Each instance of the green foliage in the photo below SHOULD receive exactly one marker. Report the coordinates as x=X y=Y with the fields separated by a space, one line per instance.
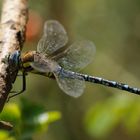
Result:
x=105 y=116
x=11 y=113
x=5 y=136
x=28 y=119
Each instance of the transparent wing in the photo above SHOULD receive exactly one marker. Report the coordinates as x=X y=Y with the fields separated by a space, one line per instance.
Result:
x=54 y=37
x=77 y=56
x=43 y=64
x=72 y=87
x=39 y=67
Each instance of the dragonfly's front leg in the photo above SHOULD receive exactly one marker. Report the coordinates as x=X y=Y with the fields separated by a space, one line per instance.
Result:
x=23 y=86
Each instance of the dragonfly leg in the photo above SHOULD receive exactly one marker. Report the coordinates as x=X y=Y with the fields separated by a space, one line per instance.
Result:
x=23 y=86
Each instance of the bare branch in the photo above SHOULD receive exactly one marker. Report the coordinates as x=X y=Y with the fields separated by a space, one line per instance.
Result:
x=12 y=36
x=5 y=125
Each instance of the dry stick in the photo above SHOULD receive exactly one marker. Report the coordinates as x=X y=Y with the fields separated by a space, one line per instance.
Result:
x=12 y=36
x=5 y=125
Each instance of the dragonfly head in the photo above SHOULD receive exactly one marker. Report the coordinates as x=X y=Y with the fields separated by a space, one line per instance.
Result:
x=14 y=59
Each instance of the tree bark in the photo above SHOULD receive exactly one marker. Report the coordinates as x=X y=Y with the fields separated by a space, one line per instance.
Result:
x=12 y=37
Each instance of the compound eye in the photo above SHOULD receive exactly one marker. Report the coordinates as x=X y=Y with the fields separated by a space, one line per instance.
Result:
x=14 y=58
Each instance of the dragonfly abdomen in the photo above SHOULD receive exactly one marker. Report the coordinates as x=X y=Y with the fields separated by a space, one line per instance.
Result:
x=109 y=83
x=101 y=81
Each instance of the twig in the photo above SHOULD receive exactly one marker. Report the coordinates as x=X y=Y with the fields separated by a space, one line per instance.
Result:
x=12 y=36
x=5 y=125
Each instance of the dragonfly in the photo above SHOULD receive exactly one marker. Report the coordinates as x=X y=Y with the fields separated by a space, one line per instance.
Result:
x=64 y=63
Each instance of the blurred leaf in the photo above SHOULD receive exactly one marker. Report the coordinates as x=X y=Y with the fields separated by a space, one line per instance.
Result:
x=30 y=109
x=35 y=118
x=4 y=135
x=41 y=121
x=28 y=118
x=131 y=122
x=103 y=117
x=11 y=113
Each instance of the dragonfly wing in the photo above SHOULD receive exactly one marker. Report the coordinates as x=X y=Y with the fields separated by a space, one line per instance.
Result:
x=54 y=37
x=43 y=64
x=40 y=67
x=72 y=87
x=77 y=56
